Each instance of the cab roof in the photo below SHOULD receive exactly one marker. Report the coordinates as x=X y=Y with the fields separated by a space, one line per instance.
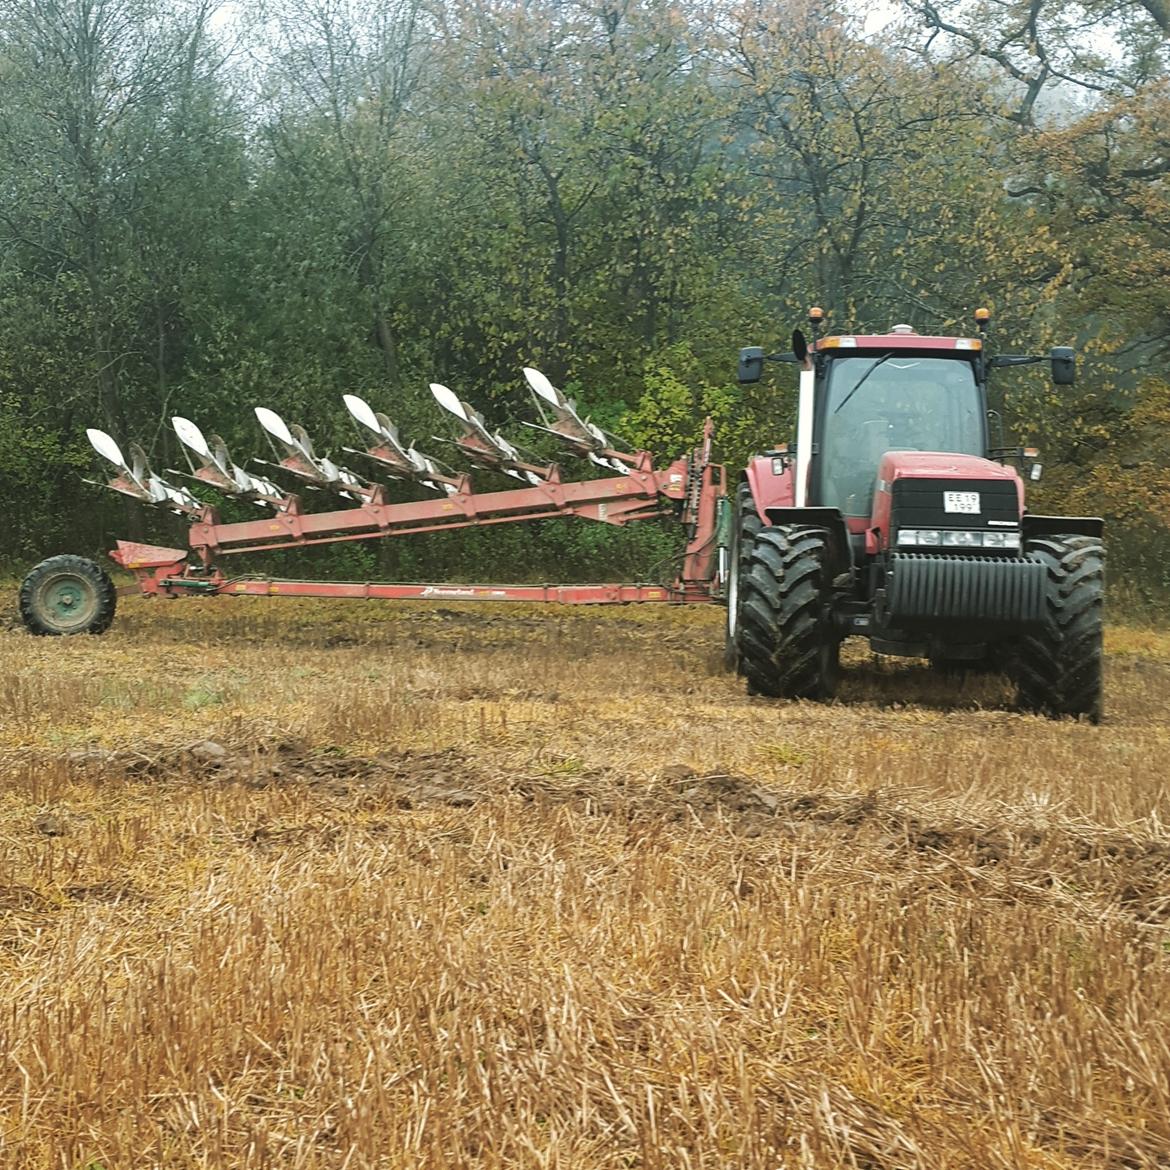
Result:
x=898 y=340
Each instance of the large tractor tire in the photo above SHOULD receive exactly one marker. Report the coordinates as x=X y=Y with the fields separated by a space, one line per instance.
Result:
x=788 y=644
x=745 y=527
x=67 y=595
x=1058 y=670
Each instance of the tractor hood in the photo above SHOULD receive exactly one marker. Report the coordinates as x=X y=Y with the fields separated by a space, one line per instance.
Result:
x=939 y=489
x=942 y=465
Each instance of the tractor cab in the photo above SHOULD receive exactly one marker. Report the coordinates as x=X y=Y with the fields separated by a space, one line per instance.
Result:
x=872 y=402
x=879 y=402
x=870 y=406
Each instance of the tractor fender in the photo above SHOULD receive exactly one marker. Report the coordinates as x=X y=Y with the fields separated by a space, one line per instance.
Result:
x=1032 y=525
x=828 y=519
x=772 y=481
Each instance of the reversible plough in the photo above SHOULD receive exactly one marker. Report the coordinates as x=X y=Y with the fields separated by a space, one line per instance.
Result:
x=69 y=595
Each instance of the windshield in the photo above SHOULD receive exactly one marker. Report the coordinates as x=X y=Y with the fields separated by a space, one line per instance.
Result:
x=876 y=403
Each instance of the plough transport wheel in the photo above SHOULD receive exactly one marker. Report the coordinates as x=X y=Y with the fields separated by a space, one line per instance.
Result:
x=67 y=595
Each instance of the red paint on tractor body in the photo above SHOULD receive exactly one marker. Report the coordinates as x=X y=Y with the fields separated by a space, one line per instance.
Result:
x=939 y=465
x=772 y=479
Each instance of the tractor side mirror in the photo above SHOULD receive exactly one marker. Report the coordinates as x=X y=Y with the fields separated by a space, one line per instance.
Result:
x=799 y=346
x=1064 y=365
x=751 y=364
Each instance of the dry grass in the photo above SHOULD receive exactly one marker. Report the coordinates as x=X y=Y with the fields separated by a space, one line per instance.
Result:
x=502 y=887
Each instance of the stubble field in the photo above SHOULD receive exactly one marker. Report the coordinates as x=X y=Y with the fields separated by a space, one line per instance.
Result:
x=298 y=884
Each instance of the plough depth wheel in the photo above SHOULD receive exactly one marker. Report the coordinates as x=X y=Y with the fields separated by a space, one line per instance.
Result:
x=67 y=595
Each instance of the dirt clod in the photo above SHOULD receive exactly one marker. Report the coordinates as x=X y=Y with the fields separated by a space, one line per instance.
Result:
x=50 y=825
x=208 y=750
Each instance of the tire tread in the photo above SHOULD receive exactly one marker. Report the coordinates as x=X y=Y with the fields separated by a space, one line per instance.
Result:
x=1059 y=668
x=782 y=634
x=107 y=595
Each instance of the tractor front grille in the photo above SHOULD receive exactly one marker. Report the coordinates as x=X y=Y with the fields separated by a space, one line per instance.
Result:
x=926 y=589
x=920 y=503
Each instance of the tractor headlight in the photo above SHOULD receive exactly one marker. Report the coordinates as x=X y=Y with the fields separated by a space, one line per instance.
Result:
x=971 y=538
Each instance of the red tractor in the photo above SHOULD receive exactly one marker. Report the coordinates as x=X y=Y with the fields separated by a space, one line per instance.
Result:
x=893 y=517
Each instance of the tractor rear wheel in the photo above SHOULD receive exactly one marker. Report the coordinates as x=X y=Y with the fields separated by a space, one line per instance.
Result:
x=746 y=526
x=789 y=648
x=1058 y=670
x=67 y=595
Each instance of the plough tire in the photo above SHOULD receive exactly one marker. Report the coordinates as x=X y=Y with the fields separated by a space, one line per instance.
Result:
x=1059 y=670
x=67 y=595
x=788 y=646
x=745 y=528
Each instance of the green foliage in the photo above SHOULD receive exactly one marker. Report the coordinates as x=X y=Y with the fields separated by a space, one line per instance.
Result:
x=678 y=394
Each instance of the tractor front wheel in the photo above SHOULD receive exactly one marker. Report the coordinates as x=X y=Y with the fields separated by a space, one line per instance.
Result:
x=788 y=646
x=746 y=526
x=67 y=595
x=1058 y=670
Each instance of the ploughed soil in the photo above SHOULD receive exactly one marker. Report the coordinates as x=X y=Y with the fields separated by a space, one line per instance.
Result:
x=359 y=885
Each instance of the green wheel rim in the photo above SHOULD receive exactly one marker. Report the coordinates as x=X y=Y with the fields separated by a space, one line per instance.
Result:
x=67 y=601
